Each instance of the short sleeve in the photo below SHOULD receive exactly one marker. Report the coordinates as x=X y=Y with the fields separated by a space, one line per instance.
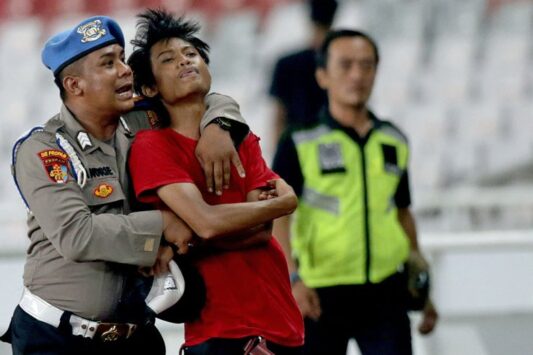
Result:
x=279 y=87
x=257 y=171
x=153 y=164
x=402 y=198
x=287 y=164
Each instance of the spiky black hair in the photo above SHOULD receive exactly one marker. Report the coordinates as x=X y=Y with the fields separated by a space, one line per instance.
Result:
x=154 y=26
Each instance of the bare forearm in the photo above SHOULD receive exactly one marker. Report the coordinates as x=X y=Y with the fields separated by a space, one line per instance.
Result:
x=407 y=221
x=281 y=232
x=254 y=236
x=209 y=221
x=226 y=219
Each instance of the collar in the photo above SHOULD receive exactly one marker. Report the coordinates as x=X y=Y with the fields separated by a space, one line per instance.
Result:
x=84 y=140
x=325 y=117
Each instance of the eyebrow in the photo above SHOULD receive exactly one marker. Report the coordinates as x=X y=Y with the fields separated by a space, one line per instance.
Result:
x=181 y=49
x=111 y=54
x=165 y=52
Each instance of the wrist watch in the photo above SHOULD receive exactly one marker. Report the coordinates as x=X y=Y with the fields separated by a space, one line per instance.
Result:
x=223 y=123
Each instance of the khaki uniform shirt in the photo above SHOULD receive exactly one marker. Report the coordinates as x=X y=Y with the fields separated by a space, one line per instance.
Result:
x=81 y=237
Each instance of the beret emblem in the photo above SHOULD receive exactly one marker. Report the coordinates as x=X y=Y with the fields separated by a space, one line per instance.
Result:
x=91 y=31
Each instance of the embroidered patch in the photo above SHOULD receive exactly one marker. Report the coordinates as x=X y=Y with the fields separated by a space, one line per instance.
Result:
x=103 y=190
x=55 y=164
x=91 y=31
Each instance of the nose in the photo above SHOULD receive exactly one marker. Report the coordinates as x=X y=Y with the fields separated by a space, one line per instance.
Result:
x=356 y=72
x=124 y=69
x=184 y=61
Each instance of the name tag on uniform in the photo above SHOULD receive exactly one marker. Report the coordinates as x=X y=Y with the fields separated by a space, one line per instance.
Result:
x=330 y=158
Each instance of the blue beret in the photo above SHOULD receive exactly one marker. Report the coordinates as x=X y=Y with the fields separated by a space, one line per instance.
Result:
x=91 y=34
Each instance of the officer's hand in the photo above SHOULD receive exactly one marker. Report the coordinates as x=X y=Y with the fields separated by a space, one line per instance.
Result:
x=215 y=152
x=417 y=261
x=164 y=255
x=429 y=319
x=177 y=232
x=307 y=300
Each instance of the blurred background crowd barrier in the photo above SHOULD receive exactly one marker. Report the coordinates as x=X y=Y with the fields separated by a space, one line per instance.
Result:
x=455 y=75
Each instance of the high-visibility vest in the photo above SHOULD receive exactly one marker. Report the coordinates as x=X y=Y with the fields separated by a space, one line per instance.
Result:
x=345 y=229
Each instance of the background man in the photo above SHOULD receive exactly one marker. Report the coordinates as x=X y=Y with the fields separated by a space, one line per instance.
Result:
x=298 y=98
x=353 y=229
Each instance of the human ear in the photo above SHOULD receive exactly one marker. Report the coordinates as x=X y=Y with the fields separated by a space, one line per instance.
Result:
x=149 y=91
x=321 y=78
x=73 y=85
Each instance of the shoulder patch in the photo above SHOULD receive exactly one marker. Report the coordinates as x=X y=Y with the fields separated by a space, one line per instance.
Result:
x=55 y=164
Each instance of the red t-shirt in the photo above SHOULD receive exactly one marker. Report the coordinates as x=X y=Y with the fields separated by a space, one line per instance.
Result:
x=248 y=291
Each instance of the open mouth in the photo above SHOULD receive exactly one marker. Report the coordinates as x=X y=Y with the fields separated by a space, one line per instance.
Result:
x=125 y=92
x=124 y=89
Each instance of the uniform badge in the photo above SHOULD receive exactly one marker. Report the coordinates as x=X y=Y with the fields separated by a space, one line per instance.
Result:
x=55 y=164
x=84 y=140
x=103 y=190
x=91 y=31
x=330 y=156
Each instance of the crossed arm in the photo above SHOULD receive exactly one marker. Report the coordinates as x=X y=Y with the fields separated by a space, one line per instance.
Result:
x=227 y=225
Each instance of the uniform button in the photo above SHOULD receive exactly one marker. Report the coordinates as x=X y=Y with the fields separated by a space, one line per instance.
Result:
x=91 y=329
x=83 y=326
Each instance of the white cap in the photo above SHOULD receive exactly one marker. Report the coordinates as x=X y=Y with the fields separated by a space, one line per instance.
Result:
x=166 y=290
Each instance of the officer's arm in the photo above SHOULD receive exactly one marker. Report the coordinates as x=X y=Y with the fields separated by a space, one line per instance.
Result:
x=216 y=149
x=407 y=221
x=66 y=220
x=287 y=165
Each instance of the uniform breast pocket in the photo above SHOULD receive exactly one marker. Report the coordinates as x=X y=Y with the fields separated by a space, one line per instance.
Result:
x=103 y=194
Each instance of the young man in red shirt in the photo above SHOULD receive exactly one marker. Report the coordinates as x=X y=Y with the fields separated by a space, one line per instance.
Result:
x=248 y=290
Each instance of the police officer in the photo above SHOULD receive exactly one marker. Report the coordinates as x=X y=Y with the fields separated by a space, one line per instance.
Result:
x=353 y=229
x=85 y=242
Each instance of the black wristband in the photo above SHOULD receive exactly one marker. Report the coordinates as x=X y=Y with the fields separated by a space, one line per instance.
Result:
x=223 y=123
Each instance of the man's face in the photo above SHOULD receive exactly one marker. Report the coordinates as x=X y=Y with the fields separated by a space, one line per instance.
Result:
x=179 y=70
x=107 y=81
x=350 y=71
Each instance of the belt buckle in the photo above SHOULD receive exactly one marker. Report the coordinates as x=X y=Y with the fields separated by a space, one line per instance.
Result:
x=110 y=335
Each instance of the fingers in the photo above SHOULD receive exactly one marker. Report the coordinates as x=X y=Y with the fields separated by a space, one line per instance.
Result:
x=145 y=271
x=208 y=170
x=429 y=319
x=314 y=303
x=238 y=165
x=218 y=177
x=227 y=173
